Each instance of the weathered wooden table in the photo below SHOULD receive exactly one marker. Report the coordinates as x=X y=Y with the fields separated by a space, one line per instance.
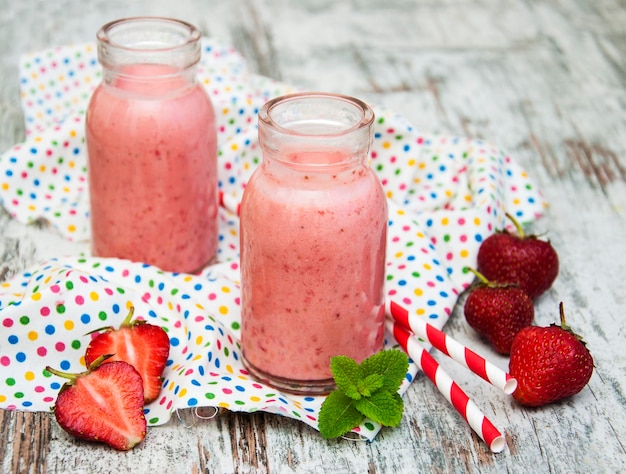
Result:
x=544 y=80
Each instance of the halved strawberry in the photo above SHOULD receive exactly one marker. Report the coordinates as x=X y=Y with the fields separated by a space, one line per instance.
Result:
x=145 y=346
x=103 y=404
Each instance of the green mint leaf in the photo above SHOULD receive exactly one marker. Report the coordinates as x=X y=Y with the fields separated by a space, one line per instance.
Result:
x=383 y=407
x=347 y=374
x=392 y=364
x=338 y=415
x=370 y=384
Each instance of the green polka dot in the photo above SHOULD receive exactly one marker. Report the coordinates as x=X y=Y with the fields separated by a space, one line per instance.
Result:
x=369 y=426
x=153 y=420
x=209 y=395
x=235 y=325
x=102 y=316
x=60 y=308
x=76 y=344
x=24 y=320
x=69 y=285
x=10 y=381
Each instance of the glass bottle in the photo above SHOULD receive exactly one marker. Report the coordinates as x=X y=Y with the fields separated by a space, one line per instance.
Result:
x=152 y=146
x=313 y=239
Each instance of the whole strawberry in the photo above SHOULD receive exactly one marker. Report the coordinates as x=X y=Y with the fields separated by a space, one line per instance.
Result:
x=523 y=259
x=498 y=311
x=144 y=346
x=103 y=404
x=549 y=363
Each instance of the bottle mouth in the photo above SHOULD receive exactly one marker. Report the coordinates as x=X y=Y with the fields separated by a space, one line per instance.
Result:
x=316 y=114
x=155 y=40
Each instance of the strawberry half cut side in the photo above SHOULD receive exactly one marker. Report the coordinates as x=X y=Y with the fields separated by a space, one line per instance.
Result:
x=145 y=346
x=103 y=404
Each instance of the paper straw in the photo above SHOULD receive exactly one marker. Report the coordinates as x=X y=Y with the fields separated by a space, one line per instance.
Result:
x=448 y=388
x=229 y=203
x=453 y=349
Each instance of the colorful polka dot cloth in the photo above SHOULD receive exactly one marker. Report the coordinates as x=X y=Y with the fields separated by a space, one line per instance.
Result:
x=446 y=195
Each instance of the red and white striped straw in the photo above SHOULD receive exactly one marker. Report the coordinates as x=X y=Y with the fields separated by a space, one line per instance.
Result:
x=453 y=349
x=448 y=388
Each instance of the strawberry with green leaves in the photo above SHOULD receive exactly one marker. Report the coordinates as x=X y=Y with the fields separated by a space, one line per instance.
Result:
x=145 y=346
x=103 y=404
x=549 y=363
x=498 y=311
x=530 y=262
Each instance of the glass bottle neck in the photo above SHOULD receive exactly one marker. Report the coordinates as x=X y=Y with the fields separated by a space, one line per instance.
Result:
x=149 y=55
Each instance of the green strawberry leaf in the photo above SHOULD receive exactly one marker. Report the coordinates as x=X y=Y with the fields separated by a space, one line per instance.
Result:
x=382 y=407
x=338 y=415
x=392 y=364
x=347 y=374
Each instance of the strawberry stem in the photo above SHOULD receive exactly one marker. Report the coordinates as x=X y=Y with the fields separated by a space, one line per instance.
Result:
x=518 y=226
x=128 y=319
x=562 y=313
x=479 y=275
x=72 y=377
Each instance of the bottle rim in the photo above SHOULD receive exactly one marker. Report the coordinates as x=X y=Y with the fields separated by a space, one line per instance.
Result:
x=266 y=118
x=105 y=32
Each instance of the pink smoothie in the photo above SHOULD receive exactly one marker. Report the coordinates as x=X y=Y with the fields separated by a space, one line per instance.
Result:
x=313 y=256
x=152 y=171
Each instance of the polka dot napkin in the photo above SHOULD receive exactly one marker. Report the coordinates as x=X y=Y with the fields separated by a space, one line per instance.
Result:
x=446 y=195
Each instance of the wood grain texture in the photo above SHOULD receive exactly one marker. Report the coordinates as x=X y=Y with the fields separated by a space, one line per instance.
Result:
x=543 y=79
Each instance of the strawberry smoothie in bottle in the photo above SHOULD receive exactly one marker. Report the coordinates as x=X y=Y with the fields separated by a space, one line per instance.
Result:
x=151 y=140
x=313 y=233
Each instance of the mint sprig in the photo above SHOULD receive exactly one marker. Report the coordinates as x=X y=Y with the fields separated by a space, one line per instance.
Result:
x=366 y=390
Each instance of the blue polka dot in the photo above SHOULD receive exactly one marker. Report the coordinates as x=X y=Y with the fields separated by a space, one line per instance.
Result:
x=192 y=402
x=20 y=357
x=85 y=318
x=65 y=364
x=49 y=329
x=13 y=339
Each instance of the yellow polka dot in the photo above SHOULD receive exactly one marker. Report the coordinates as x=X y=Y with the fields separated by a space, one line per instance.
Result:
x=187 y=278
x=229 y=369
x=199 y=340
x=3 y=398
x=516 y=201
x=93 y=296
x=468 y=197
x=223 y=310
x=182 y=393
x=401 y=212
x=234 y=147
x=223 y=405
x=476 y=220
x=389 y=194
x=31 y=207
x=448 y=193
x=33 y=336
x=386 y=145
x=225 y=289
x=427 y=266
x=35 y=296
x=71 y=228
x=411 y=162
x=445 y=221
x=199 y=306
x=171 y=386
x=418 y=292
x=5 y=186
x=68 y=324
x=29 y=375
x=255 y=399
x=71 y=164
x=464 y=253
x=72 y=133
x=420 y=311
x=42 y=168
x=422 y=165
x=225 y=111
